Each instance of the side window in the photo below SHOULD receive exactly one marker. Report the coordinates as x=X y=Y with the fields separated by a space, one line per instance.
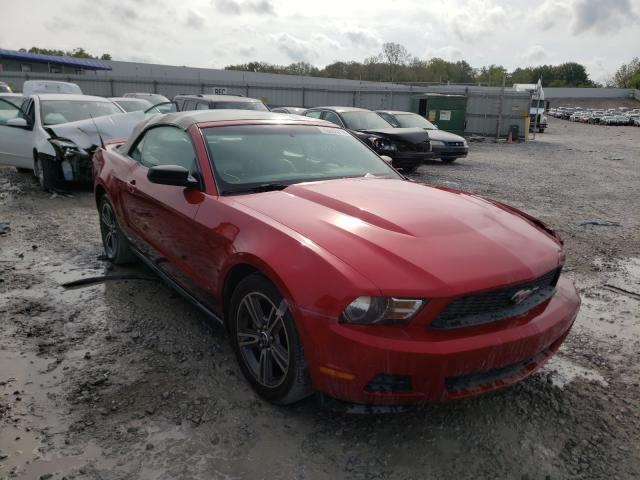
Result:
x=165 y=146
x=202 y=106
x=333 y=118
x=9 y=110
x=188 y=105
x=313 y=114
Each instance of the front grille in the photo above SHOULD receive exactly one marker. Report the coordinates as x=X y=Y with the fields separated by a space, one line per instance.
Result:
x=499 y=304
x=421 y=147
x=455 y=144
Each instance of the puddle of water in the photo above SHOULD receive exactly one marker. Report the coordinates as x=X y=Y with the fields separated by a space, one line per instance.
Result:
x=20 y=445
x=564 y=371
x=612 y=313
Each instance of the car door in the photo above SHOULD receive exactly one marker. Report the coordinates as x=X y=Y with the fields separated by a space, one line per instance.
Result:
x=16 y=136
x=161 y=216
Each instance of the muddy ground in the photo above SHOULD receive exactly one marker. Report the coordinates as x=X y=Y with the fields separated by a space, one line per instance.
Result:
x=125 y=380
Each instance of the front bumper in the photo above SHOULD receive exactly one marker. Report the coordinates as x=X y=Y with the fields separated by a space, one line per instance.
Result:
x=410 y=159
x=441 y=365
x=450 y=152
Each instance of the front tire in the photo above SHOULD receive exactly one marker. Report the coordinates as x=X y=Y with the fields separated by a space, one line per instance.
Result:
x=448 y=160
x=410 y=169
x=266 y=342
x=116 y=246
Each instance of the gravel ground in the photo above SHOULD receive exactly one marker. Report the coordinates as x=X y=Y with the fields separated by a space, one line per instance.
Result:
x=125 y=380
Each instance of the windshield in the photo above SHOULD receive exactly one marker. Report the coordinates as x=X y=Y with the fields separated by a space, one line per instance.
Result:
x=364 y=120
x=16 y=100
x=240 y=106
x=250 y=156
x=134 y=104
x=54 y=112
x=411 y=120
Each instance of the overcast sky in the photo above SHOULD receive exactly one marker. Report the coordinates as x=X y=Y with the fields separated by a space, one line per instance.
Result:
x=214 y=33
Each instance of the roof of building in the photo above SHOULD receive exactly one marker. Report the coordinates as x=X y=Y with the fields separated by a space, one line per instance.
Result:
x=84 y=63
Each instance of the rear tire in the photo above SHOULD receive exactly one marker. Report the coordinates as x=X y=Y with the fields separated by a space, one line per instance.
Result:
x=266 y=342
x=115 y=244
x=24 y=170
x=411 y=169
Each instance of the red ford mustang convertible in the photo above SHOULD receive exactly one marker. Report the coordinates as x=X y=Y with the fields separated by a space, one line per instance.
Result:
x=331 y=271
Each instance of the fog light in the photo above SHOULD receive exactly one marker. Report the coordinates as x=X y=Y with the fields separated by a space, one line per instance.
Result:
x=388 y=383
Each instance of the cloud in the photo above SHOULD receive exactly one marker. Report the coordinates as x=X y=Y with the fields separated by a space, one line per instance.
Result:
x=363 y=38
x=295 y=48
x=552 y=12
x=194 y=20
x=239 y=7
x=449 y=53
x=585 y=15
x=601 y=16
x=247 y=51
x=322 y=39
x=534 y=55
x=478 y=19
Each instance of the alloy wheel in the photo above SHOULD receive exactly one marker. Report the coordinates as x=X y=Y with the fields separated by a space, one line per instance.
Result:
x=109 y=230
x=262 y=338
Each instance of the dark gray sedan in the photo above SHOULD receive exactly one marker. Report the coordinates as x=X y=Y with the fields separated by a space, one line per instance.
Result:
x=444 y=145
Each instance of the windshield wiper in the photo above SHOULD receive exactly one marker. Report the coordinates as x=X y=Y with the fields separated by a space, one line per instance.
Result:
x=265 y=187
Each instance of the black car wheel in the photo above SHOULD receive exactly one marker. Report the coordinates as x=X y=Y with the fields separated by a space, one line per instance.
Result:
x=266 y=342
x=39 y=172
x=116 y=246
x=448 y=159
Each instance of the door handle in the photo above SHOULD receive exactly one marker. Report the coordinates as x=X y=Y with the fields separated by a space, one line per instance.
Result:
x=131 y=186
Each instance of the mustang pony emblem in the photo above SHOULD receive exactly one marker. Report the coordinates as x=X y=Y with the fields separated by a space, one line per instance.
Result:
x=521 y=295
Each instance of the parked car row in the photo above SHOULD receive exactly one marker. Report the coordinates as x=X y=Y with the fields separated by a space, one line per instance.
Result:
x=31 y=124
x=332 y=272
x=620 y=116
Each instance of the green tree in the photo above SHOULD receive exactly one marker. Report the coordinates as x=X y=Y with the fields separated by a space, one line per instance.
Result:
x=627 y=76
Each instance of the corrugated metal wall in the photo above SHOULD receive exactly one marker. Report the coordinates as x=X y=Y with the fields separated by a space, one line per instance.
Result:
x=289 y=92
x=490 y=110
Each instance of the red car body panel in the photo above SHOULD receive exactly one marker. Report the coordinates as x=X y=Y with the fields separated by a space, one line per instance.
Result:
x=323 y=244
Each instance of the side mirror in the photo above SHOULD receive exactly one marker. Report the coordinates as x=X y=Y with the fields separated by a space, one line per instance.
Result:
x=17 y=122
x=386 y=159
x=172 y=175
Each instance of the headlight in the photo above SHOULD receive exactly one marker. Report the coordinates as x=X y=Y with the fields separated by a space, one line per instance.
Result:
x=67 y=147
x=382 y=145
x=437 y=143
x=381 y=310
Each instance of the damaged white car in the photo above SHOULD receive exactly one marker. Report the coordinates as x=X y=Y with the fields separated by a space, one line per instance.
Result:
x=54 y=135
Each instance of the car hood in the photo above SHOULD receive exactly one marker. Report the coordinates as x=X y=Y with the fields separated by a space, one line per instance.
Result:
x=444 y=136
x=410 y=135
x=87 y=133
x=411 y=239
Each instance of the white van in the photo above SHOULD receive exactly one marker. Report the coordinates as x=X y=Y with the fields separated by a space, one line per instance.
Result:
x=31 y=87
x=536 y=111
